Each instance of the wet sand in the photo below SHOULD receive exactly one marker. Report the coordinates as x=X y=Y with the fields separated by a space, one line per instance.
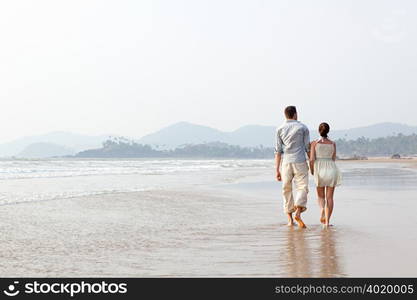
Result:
x=171 y=233
x=408 y=162
x=182 y=233
x=235 y=229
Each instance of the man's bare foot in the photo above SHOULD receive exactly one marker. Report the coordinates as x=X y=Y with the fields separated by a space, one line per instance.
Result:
x=290 y=224
x=300 y=222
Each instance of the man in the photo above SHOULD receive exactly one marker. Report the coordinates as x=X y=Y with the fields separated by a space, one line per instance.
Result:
x=292 y=145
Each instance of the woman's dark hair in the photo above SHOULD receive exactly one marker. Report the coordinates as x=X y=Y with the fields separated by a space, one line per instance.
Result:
x=324 y=129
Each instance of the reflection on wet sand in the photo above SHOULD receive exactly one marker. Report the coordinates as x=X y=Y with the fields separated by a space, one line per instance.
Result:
x=330 y=264
x=297 y=253
x=311 y=253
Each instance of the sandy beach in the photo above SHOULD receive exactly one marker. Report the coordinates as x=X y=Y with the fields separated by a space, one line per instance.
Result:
x=235 y=228
x=410 y=161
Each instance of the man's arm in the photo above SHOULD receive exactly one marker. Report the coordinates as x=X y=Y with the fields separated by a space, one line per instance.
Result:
x=277 y=165
x=278 y=155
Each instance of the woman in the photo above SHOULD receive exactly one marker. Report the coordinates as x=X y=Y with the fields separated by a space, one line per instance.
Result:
x=326 y=174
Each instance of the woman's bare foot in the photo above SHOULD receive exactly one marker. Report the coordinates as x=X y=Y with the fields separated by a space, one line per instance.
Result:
x=300 y=222
x=290 y=220
x=322 y=217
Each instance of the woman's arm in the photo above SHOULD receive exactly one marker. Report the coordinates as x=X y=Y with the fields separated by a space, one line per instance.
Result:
x=334 y=154
x=312 y=157
x=307 y=143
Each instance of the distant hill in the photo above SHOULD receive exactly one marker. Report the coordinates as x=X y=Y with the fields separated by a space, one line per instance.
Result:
x=255 y=135
x=75 y=142
x=375 y=131
x=182 y=133
x=45 y=150
x=251 y=136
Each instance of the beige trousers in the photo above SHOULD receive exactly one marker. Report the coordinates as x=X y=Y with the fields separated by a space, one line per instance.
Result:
x=297 y=172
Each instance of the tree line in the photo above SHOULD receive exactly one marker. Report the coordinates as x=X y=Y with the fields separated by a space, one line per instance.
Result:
x=124 y=148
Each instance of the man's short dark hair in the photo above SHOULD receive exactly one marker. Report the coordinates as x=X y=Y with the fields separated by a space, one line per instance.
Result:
x=290 y=112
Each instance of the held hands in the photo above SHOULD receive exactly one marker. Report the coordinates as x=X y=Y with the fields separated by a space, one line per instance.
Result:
x=312 y=167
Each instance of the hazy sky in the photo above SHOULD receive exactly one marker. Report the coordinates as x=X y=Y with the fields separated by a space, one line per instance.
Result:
x=130 y=67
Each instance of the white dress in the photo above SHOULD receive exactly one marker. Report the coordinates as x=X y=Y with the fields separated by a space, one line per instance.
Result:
x=326 y=172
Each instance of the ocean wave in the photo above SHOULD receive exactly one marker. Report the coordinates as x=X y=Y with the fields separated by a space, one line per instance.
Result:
x=26 y=169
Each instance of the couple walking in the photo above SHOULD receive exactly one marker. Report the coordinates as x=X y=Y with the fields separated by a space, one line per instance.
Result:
x=292 y=149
